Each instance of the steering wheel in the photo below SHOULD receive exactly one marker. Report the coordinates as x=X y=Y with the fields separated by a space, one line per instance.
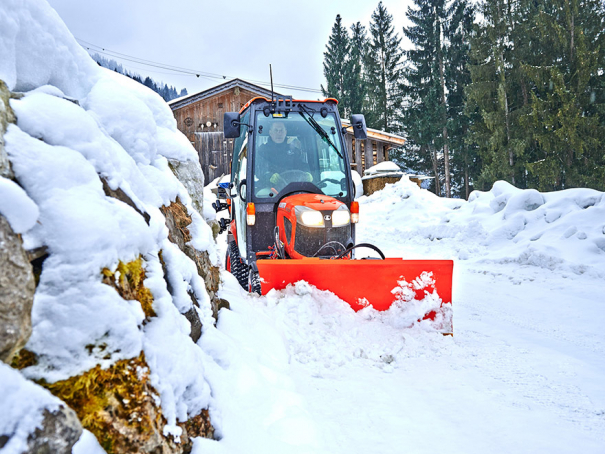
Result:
x=288 y=176
x=322 y=183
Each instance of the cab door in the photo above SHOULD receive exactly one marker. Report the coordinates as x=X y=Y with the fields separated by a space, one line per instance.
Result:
x=238 y=190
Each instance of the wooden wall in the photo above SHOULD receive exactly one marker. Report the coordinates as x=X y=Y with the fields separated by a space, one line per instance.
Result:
x=364 y=154
x=213 y=149
x=194 y=117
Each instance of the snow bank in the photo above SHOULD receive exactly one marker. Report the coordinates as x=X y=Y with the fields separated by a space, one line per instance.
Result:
x=80 y=127
x=559 y=230
x=260 y=408
x=37 y=49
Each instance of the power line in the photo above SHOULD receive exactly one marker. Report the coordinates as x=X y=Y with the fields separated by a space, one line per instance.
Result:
x=177 y=69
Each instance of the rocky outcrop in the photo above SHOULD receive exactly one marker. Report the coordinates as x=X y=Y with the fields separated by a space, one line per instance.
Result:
x=17 y=289
x=59 y=432
x=6 y=116
x=190 y=174
x=120 y=195
x=177 y=221
x=119 y=406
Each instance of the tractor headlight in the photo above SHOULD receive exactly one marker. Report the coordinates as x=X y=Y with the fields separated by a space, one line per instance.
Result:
x=341 y=216
x=309 y=217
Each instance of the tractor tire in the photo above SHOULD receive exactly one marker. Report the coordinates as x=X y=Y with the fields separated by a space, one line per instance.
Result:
x=254 y=283
x=235 y=265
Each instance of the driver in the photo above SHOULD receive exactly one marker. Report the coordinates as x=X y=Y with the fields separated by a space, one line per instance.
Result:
x=277 y=156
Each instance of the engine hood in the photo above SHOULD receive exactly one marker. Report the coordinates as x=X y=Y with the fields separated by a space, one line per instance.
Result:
x=317 y=202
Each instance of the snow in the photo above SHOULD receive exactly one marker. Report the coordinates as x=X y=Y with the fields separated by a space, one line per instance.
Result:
x=522 y=373
x=294 y=371
x=37 y=49
x=16 y=206
x=383 y=167
x=23 y=404
x=76 y=123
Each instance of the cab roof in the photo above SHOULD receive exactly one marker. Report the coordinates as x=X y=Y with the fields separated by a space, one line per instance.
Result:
x=281 y=100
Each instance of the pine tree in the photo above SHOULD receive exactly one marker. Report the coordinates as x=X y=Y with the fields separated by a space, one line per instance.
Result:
x=465 y=163
x=434 y=79
x=355 y=84
x=383 y=69
x=494 y=95
x=566 y=117
x=422 y=113
x=337 y=66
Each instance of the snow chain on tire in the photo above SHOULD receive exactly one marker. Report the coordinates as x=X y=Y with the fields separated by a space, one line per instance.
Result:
x=238 y=268
x=254 y=283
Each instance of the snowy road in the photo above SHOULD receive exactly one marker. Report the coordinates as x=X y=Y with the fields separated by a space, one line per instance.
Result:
x=519 y=376
x=524 y=372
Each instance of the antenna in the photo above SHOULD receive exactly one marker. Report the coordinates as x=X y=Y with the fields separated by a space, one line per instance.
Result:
x=271 y=76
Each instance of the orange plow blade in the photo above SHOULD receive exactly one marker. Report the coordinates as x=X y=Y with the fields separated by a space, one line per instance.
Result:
x=380 y=283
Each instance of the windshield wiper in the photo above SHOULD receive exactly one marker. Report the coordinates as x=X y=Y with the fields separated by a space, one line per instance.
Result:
x=318 y=129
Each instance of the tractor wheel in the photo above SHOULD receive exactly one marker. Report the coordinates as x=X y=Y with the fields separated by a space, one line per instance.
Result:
x=235 y=265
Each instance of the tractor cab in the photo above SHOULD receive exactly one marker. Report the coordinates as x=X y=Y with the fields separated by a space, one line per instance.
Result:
x=284 y=148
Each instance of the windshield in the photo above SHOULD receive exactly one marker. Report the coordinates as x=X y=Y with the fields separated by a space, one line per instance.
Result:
x=289 y=149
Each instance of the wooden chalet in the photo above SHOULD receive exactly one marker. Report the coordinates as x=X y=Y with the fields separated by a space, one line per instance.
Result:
x=200 y=118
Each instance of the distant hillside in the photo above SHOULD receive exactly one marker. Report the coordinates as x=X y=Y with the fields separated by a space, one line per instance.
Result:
x=165 y=91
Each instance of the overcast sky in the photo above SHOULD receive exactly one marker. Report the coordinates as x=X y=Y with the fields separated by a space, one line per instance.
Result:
x=234 y=38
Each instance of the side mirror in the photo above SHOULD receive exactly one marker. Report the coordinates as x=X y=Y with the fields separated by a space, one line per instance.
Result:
x=231 y=125
x=360 y=130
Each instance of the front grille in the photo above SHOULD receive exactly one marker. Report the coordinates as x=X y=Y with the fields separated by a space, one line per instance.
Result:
x=308 y=241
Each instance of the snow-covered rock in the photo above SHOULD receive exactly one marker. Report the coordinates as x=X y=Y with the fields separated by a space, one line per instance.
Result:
x=16 y=292
x=90 y=152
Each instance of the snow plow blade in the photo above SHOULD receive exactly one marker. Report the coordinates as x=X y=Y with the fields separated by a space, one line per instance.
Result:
x=360 y=283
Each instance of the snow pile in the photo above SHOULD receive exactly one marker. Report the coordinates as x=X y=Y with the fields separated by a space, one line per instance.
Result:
x=79 y=124
x=15 y=205
x=383 y=169
x=561 y=230
x=322 y=330
x=261 y=410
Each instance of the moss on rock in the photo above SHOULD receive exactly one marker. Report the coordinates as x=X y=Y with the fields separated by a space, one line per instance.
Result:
x=128 y=280
x=24 y=358
x=118 y=405
x=177 y=221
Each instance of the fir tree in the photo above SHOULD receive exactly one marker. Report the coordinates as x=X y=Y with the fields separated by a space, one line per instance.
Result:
x=383 y=69
x=430 y=76
x=422 y=114
x=566 y=118
x=493 y=96
x=355 y=84
x=337 y=66
x=537 y=85
x=465 y=162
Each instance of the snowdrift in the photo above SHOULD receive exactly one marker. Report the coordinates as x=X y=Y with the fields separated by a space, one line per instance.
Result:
x=562 y=230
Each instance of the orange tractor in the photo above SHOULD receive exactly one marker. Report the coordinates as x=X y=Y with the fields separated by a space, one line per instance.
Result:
x=293 y=214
